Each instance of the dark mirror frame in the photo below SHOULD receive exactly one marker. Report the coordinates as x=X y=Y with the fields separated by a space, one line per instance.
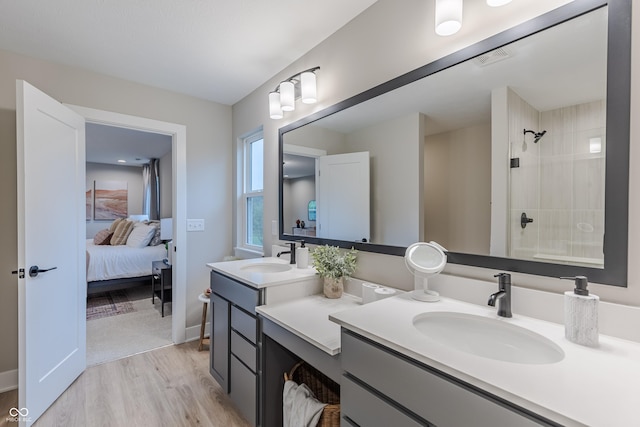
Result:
x=617 y=149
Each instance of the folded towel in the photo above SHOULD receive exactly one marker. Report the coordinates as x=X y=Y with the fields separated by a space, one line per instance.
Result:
x=299 y=406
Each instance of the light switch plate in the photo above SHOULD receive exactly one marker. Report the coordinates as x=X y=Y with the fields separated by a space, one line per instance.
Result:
x=195 y=224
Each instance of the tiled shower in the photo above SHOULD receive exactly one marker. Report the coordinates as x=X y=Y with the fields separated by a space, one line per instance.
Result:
x=558 y=182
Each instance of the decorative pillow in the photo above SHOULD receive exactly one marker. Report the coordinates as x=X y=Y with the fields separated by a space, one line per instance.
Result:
x=114 y=224
x=102 y=237
x=121 y=233
x=141 y=235
x=155 y=240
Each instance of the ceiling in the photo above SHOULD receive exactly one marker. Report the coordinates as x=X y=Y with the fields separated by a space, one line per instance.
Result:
x=109 y=144
x=219 y=50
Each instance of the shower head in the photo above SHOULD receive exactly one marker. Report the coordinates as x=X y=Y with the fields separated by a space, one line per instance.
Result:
x=536 y=135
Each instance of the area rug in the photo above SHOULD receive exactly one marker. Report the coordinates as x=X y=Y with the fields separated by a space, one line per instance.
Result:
x=107 y=304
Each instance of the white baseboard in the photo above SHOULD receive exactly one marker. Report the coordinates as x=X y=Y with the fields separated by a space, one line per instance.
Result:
x=8 y=380
x=193 y=332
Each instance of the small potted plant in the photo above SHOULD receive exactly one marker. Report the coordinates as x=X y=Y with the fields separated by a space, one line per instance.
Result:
x=333 y=266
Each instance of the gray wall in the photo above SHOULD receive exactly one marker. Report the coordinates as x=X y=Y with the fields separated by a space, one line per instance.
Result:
x=208 y=172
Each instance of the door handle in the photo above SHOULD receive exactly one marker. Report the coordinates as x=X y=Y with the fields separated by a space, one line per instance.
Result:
x=34 y=270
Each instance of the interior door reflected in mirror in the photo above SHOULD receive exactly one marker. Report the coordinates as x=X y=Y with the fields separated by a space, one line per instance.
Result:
x=459 y=153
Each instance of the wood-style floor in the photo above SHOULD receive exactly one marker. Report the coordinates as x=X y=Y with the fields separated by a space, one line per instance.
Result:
x=170 y=386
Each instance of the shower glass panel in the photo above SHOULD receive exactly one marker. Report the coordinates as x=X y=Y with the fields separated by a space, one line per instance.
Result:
x=557 y=182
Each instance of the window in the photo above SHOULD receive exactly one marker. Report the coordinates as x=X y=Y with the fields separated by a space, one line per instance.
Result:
x=252 y=199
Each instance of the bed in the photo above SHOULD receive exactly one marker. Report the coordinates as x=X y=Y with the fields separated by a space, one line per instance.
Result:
x=119 y=267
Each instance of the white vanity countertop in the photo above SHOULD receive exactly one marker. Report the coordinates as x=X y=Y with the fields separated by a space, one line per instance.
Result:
x=590 y=386
x=260 y=279
x=308 y=318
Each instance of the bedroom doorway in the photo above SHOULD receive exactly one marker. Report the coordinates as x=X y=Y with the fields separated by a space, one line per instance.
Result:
x=177 y=134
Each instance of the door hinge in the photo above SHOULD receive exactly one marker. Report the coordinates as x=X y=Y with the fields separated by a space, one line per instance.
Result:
x=19 y=272
x=515 y=162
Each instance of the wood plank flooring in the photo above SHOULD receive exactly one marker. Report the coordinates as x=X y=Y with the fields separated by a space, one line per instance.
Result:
x=170 y=386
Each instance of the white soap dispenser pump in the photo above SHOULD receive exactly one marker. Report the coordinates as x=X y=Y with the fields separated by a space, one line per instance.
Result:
x=581 y=314
x=302 y=256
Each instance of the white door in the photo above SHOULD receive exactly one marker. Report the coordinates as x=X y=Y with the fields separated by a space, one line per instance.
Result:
x=342 y=199
x=51 y=235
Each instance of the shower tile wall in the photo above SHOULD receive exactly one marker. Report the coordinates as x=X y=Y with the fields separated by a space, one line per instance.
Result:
x=560 y=182
x=572 y=180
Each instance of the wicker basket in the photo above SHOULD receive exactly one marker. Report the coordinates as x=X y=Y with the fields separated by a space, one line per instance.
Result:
x=325 y=389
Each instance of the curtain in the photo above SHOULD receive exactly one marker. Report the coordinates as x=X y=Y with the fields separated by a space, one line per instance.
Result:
x=151 y=189
x=146 y=190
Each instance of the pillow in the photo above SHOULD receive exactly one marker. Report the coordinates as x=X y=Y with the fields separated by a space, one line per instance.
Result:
x=155 y=240
x=114 y=224
x=121 y=233
x=141 y=235
x=102 y=237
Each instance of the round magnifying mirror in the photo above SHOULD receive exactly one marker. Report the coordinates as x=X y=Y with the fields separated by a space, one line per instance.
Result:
x=425 y=260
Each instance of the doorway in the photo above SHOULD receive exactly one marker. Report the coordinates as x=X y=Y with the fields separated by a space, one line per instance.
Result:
x=178 y=196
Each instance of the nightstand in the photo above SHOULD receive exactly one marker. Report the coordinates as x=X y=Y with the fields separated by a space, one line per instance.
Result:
x=160 y=283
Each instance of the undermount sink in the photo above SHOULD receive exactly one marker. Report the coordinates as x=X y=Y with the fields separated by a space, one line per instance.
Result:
x=266 y=267
x=486 y=337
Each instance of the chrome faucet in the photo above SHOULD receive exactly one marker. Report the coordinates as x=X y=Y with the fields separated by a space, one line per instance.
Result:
x=292 y=251
x=503 y=295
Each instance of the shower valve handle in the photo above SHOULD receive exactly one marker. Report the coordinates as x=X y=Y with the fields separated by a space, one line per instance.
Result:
x=524 y=220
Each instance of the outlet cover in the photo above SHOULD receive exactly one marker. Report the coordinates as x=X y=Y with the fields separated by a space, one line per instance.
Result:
x=195 y=224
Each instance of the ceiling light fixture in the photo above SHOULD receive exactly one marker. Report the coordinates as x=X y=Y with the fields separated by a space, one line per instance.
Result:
x=301 y=85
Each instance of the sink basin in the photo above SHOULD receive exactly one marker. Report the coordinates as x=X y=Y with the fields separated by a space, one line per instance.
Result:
x=490 y=338
x=266 y=267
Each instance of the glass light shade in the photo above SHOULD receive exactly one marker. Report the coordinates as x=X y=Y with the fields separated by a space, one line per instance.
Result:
x=308 y=87
x=496 y=3
x=287 y=96
x=448 y=17
x=275 y=110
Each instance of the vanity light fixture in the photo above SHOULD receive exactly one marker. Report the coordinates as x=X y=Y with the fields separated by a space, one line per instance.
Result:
x=449 y=15
x=301 y=85
x=496 y=3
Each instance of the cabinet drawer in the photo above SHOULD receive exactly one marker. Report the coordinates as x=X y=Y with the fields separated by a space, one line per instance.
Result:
x=243 y=350
x=367 y=409
x=243 y=390
x=242 y=295
x=244 y=323
x=431 y=395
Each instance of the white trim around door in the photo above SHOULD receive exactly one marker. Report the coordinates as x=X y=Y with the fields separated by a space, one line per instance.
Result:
x=179 y=199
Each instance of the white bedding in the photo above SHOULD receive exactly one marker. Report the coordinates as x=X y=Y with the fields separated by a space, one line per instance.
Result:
x=116 y=262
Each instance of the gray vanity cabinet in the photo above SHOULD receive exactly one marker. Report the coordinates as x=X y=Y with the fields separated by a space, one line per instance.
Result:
x=382 y=387
x=235 y=342
x=219 y=352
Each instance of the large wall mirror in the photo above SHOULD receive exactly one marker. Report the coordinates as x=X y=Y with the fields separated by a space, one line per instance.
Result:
x=512 y=153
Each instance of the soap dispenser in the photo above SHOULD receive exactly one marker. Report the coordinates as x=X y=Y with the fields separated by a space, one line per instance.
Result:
x=581 y=314
x=302 y=255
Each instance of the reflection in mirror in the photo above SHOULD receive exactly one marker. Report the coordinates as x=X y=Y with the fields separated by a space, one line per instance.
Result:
x=502 y=155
